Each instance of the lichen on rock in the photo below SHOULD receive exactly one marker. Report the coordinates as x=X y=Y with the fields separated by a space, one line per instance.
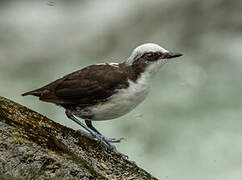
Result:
x=35 y=147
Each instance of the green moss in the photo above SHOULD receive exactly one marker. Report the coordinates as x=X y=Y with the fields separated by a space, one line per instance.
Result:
x=18 y=140
x=31 y=159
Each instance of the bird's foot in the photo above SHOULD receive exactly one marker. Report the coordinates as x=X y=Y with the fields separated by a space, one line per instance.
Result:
x=111 y=140
x=106 y=141
x=101 y=138
x=115 y=140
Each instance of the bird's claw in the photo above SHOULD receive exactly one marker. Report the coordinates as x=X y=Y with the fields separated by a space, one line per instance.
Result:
x=114 y=140
x=103 y=139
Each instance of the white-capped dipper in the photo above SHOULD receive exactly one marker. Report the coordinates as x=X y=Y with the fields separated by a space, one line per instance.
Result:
x=106 y=91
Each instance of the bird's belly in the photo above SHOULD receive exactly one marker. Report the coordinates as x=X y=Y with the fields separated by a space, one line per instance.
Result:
x=119 y=104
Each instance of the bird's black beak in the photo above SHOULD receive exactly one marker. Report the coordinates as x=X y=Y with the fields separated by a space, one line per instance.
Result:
x=170 y=55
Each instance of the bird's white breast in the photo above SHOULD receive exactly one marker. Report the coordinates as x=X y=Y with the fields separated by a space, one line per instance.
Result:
x=123 y=101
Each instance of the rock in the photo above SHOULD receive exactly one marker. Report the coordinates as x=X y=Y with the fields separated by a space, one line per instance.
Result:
x=35 y=147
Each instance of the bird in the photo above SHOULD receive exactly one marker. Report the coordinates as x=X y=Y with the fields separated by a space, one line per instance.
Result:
x=106 y=91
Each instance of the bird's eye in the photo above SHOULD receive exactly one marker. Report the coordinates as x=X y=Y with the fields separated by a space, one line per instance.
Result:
x=149 y=55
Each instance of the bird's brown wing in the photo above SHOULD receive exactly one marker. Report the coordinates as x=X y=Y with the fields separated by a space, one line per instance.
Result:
x=88 y=86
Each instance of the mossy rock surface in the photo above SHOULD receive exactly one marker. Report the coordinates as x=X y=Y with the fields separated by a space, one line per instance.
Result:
x=35 y=147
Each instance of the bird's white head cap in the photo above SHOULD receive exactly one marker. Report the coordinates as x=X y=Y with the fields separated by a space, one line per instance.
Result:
x=144 y=48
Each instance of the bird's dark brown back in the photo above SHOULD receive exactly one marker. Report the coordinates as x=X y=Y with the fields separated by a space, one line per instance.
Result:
x=87 y=86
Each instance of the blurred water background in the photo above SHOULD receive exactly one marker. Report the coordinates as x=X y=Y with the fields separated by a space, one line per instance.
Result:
x=189 y=127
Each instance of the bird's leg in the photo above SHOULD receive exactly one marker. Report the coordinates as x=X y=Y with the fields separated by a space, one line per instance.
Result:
x=97 y=135
x=112 y=140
